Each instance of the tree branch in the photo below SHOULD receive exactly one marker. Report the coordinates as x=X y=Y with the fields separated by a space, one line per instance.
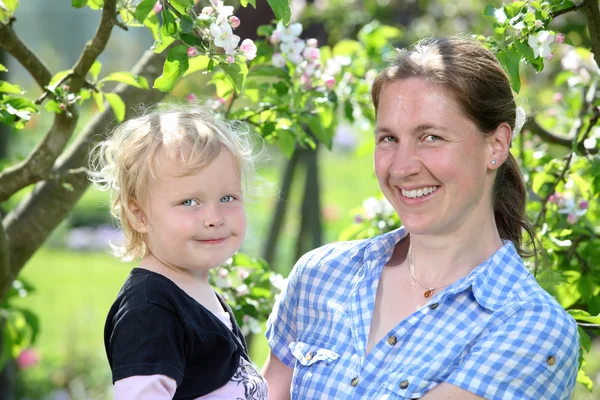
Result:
x=593 y=16
x=96 y=46
x=29 y=225
x=10 y=42
x=547 y=136
x=566 y=10
x=40 y=160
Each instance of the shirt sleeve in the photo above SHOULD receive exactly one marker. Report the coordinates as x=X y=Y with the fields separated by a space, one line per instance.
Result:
x=147 y=340
x=155 y=387
x=532 y=354
x=281 y=326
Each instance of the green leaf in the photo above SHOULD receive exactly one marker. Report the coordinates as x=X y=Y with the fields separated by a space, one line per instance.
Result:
x=53 y=106
x=585 y=380
x=99 y=99
x=584 y=339
x=182 y=5
x=282 y=10
x=510 y=60
x=143 y=9
x=347 y=47
x=7 y=9
x=196 y=64
x=117 y=105
x=269 y=71
x=95 y=69
x=236 y=72
x=317 y=128
x=496 y=14
x=79 y=3
x=584 y=316
x=186 y=23
x=3 y=68
x=244 y=3
x=169 y=24
x=175 y=66
x=191 y=40
x=57 y=78
x=6 y=87
x=96 y=4
x=128 y=78
x=286 y=142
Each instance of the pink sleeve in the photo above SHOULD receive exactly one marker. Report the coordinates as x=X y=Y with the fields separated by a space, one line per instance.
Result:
x=146 y=387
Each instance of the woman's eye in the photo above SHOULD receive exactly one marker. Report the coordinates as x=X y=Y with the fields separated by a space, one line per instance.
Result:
x=387 y=139
x=432 y=138
x=227 y=199
x=189 y=203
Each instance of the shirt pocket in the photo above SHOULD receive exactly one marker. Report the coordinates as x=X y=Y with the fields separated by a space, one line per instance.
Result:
x=405 y=386
x=314 y=360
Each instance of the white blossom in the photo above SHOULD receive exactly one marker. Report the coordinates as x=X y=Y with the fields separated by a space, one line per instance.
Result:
x=540 y=43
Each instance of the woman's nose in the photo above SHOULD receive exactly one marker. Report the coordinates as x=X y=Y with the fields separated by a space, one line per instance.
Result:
x=405 y=162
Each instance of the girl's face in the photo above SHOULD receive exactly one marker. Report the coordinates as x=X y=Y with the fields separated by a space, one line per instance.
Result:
x=430 y=160
x=196 y=221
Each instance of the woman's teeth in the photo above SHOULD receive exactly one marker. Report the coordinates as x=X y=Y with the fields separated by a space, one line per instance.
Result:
x=413 y=194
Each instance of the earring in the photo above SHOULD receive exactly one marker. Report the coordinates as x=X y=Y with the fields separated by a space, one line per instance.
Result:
x=493 y=162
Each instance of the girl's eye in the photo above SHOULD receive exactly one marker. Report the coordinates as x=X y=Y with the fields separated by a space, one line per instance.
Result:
x=189 y=203
x=227 y=199
x=432 y=138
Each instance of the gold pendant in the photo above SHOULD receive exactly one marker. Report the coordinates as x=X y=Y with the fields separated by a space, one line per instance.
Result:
x=428 y=293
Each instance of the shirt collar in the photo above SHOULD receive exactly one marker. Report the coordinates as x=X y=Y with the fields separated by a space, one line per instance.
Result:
x=382 y=247
x=492 y=282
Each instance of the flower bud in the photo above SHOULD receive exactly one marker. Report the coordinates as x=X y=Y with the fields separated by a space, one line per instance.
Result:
x=560 y=37
x=234 y=21
x=192 y=52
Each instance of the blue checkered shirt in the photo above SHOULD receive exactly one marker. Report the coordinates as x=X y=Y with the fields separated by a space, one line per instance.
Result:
x=495 y=332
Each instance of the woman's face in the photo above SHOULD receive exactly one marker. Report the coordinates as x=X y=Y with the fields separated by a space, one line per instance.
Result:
x=430 y=160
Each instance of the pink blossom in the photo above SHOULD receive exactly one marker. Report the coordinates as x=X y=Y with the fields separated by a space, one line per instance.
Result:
x=552 y=198
x=583 y=205
x=358 y=219
x=560 y=37
x=311 y=53
x=275 y=38
x=557 y=97
x=230 y=59
x=234 y=21
x=27 y=359
x=205 y=14
x=243 y=273
x=329 y=82
x=305 y=81
x=550 y=56
x=248 y=48
x=538 y=23
x=223 y=273
x=157 y=7
x=572 y=218
x=191 y=98
x=192 y=52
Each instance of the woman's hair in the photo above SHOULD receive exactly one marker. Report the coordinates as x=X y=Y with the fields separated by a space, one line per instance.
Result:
x=127 y=162
x=483 y=92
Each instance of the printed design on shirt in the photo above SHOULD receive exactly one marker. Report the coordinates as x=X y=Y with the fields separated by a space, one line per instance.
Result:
x=255 y=387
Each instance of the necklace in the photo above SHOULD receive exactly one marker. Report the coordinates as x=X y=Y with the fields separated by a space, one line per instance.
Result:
x=411 y=268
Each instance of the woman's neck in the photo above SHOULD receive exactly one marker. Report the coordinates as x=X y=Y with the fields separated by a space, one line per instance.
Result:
x=441 y=259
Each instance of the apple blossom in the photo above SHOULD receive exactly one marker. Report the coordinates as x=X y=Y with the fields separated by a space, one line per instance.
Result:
x=224 y=37
x=583 y=205
x=312 y=42
x=192 y=52
x=560 y=37
x=540 y=43
x=278 y=60
x=27 y=359
x=248 y=48
x=157 y=7
x=205 y=13
x=311 y=53
x=191 y=98
x=329 y=82
x=234 y=21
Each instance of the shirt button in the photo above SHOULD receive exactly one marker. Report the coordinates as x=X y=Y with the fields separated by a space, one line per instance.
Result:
x=551 y=360
x=310 y=356
x=354 y=381
x=392 y=340
x=434 y=306
x=404 y=384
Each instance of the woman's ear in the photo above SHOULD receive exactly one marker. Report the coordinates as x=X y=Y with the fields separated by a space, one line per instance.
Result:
x=498 y=144
x=137 y=217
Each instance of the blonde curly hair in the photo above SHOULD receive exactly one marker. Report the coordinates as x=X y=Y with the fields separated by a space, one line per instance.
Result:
x=127 y=162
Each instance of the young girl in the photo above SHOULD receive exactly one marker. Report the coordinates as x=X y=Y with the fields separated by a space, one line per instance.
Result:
x=177 y=178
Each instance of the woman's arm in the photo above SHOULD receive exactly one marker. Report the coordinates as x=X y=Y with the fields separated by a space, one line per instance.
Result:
x=446 y=391
x=279 y=378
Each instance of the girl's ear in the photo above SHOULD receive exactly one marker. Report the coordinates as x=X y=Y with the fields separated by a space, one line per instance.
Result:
x=498 y=145
x=137 y=219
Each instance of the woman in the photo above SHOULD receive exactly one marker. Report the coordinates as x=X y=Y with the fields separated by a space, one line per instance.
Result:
x=442 y=308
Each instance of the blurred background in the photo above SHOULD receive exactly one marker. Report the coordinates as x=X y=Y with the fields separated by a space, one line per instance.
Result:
x=74 y=280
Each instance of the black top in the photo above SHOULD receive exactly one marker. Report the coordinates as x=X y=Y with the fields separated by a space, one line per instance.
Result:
x=154 y=327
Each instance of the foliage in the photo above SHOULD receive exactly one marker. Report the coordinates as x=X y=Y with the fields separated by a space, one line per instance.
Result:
x=295 y=93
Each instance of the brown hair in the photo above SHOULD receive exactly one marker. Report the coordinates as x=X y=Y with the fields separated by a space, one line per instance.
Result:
x=482 y=90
